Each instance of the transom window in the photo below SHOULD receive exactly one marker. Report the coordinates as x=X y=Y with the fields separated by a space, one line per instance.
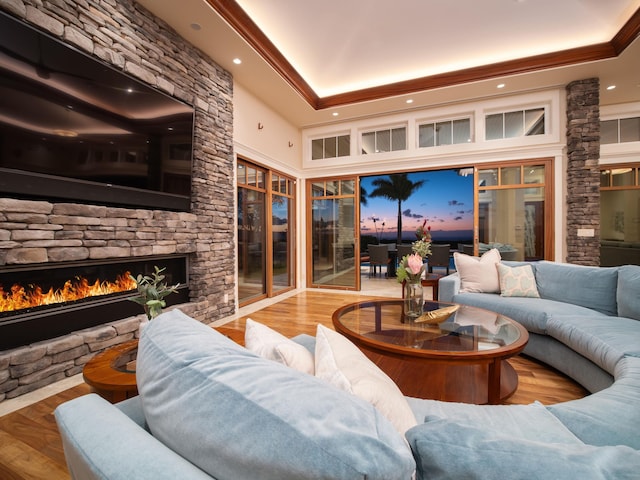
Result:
x=331 y=147
x=447 y=132
x=620 y=130
x=388 y=140
x=519 y=123
x=621 y=176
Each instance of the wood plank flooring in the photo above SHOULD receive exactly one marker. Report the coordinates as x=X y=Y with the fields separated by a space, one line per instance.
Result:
x=30 y=446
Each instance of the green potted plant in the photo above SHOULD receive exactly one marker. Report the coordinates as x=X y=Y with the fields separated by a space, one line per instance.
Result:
x=151 y=292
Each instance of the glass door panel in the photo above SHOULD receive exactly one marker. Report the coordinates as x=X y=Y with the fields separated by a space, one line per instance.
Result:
x=620 y=215
x=512 y=214
x=251 y=247
x=333 y=234
x=282 y=275
x=512 y=221
x=333 y=242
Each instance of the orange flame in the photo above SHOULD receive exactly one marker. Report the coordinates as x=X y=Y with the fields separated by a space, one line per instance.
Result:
x=19 y=297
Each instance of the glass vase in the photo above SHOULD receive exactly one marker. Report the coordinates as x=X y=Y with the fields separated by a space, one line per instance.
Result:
x=413 y=299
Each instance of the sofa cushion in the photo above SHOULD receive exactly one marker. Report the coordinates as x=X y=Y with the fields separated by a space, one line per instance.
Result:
x=517 y=281
x=445 y=449
x=268 y=343
x=342 y=364
x=590 y=287
x=603 y=340
x=532 y=422
x=478 y=274
x=627 y=293
x=608 y=417
x=531 y=313
x=236 y=415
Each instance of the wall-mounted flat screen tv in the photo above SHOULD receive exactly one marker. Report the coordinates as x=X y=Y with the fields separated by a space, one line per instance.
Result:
x=73 y=128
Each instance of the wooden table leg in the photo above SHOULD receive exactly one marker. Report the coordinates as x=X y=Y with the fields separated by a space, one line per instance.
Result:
x=493 y=393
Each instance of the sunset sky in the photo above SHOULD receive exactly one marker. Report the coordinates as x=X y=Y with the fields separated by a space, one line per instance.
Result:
x=445 y=200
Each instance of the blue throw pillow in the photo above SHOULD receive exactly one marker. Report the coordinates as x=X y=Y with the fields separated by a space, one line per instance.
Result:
x=236 y=415
x=446 y=450
x=628 y=291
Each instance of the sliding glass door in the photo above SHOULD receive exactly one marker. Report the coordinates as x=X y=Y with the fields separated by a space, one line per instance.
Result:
x=514 y=210
x=620 y=215
x=266 y=256
x=332 y=236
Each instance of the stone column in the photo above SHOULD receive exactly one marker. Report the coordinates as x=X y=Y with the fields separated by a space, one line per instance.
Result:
x=583 y=174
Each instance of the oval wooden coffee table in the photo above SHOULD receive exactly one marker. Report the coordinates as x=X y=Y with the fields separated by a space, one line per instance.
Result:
x=459 y=358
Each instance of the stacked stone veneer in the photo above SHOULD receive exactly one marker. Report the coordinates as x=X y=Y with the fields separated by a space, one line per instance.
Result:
x=583 y=173
x=125 y=35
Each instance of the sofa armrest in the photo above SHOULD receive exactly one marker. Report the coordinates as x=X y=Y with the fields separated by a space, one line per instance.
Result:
x=448 y=287
x=100 y=442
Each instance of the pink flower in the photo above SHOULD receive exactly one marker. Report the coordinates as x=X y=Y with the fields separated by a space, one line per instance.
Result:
x=414 y=263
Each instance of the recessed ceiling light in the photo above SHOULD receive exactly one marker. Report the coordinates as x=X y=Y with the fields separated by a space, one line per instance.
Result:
x=501 y=85
x=335 y=114
x=237 y=61
x=611 y=87
x=196 y=26
x=410 y=100
x=65 y=133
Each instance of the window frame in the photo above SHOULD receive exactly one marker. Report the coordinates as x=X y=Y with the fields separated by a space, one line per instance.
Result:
x=378 y=130
x=451 y=120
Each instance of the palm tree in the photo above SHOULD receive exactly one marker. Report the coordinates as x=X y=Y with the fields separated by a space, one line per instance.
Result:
x=397 y=188
x=363 y=195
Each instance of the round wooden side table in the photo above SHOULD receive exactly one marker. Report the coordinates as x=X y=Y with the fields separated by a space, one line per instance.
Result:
x=112 y=374
x=431 y=280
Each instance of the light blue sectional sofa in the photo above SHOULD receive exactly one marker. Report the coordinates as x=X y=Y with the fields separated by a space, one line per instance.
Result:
x=209 y=408
x=586 y=324
x=585 y=321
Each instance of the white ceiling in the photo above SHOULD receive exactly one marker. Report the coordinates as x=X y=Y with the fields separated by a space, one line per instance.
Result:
x=339 y=46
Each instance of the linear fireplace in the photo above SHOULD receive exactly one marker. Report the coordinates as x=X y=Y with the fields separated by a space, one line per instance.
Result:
x=43 y=301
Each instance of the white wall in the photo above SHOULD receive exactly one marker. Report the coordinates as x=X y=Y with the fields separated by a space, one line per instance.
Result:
x=277 y=142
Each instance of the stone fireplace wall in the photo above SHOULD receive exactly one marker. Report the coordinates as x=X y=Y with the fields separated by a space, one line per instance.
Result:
x=125 y=35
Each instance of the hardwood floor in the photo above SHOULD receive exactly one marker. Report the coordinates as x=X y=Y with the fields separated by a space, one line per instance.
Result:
x=30 y=447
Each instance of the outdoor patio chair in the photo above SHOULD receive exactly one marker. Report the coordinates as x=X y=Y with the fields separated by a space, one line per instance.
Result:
x=404 y=250
x=378 y=256
x=439 y=257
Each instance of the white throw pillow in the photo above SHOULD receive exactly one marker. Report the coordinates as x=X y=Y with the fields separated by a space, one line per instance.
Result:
x=342 y=364
x=267 y=343
x=478 y=275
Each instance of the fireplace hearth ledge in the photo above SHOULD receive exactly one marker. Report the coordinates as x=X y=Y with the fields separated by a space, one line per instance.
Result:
x=13 y=404
x=29 y=368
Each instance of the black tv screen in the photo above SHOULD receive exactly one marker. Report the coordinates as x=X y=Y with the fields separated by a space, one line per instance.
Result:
x=74 y=128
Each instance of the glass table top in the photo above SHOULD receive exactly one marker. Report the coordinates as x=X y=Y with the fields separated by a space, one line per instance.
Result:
x=444 y=327
x=125 y=362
